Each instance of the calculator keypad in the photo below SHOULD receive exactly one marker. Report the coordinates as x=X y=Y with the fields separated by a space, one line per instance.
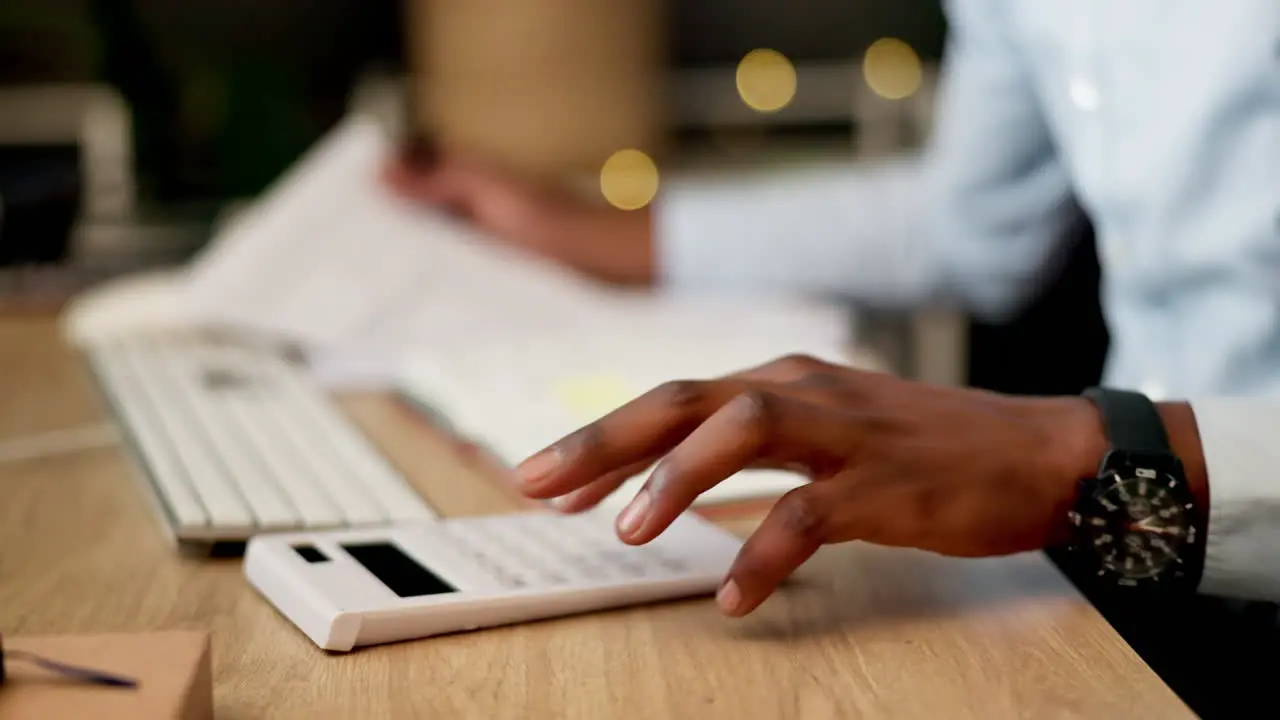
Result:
x=525 y=551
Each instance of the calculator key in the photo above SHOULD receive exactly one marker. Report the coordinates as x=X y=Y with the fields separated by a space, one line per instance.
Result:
x=538 y=556
x=476 y=557
x=509 y=580
x=506 y=557
x=592 y=571
x=668 y=563
x=552 y=577
x=629 y=564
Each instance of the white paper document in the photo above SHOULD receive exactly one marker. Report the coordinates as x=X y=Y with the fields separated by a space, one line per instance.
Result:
x=517 y=396
x=330 y=260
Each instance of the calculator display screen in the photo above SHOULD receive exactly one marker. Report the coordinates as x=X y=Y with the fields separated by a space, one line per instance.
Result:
x=402 y=575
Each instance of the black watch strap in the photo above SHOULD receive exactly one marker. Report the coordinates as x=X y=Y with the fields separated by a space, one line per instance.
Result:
x=1131 y=420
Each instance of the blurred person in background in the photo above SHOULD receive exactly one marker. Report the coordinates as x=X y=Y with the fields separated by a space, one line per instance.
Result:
x=1161 y=121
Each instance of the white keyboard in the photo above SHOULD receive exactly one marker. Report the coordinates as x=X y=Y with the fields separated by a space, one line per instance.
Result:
x=235 y=440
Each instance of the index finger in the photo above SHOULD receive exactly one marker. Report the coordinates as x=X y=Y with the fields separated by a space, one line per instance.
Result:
x=648 y=426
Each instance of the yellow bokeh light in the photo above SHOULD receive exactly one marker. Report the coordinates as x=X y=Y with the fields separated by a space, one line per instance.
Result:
x=892 y=69
x=766 y=80
x=629 y=180
x=589 y=397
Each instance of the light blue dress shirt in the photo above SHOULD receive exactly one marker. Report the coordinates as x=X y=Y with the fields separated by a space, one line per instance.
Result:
x=1160 y=117
x=1161 y=120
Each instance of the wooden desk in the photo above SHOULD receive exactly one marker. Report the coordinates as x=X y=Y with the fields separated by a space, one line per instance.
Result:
x=863 y=632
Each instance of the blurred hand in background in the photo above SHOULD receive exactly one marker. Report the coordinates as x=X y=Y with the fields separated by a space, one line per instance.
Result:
x=600 y=241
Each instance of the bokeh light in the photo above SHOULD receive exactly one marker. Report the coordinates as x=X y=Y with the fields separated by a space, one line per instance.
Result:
x=629 y=179
x=892 y=69
x=766 y=80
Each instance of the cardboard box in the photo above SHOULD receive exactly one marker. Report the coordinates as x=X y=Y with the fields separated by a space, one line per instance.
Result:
x=549 y=87
x=173 y=671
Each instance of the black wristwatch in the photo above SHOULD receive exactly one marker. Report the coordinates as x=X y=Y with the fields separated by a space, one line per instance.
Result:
x=1134 y=525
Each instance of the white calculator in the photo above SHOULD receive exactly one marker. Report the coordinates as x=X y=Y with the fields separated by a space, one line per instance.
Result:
x=352 y=588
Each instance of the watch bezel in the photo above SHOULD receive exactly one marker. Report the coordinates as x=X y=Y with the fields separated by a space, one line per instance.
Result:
x=1120 y=466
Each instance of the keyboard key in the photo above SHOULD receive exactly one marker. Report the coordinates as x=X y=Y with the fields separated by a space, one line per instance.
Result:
x=238 y=441
x=376 y=477
x=251 y=409
x=218 y=493
x=148 y=438
x=189 y=384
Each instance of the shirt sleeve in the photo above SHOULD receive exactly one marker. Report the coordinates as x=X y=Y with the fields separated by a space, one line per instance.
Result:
x=1241 y=443
x=971 y=220
x=838 y=230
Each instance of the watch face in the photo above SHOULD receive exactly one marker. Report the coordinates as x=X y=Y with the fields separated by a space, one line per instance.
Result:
x=1138 y=524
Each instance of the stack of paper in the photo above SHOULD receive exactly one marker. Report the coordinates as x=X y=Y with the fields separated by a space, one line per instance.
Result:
x=330 y=261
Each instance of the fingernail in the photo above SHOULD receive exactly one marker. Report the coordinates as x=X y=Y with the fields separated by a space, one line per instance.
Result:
x=657 y=478
x=729 y=598
x=633 y=516
x=538 y=467
x=566 y=503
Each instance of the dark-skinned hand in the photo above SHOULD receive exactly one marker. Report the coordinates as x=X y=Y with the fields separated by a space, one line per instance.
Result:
x=599 y=241
x=892 y=462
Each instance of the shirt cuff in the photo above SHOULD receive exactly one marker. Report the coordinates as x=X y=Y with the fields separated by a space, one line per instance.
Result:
x=1241 y=443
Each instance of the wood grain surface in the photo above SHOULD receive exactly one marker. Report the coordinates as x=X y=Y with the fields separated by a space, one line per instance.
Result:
x=861 y=632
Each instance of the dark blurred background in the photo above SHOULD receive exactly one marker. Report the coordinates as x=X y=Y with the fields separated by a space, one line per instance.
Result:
x=226 y=93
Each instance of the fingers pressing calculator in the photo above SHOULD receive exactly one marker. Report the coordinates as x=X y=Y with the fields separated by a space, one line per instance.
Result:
x=351 y=588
